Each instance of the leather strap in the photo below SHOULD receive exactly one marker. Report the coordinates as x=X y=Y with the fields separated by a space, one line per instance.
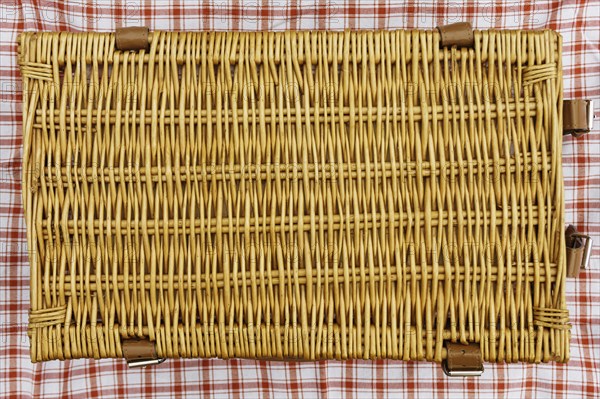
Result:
x=459 y=34
x=575 y=251
x=139 y=349
x=463 y=358
x=576 y=117
x=132 y=38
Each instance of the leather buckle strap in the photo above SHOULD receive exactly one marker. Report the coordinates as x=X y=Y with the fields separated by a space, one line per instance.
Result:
x=578 y=117
x=578 y=251
x=140 y=353
x=463 y=360
x=459 y=34
x=132 y=38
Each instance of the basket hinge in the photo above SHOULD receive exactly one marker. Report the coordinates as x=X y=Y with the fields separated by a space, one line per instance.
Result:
x=579 y=248
x=578 y=117
x=459 y=34
x=140 y=353
x=132 y=38
x=463 y=360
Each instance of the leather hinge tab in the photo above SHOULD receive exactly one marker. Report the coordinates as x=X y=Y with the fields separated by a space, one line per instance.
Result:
x=459 y=34
x=463 y=360
x=578 y=251
x=132 y=38
x=140 y=352
x=578 y=117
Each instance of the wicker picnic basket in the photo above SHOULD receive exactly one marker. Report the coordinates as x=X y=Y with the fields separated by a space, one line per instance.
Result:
x=296 y=195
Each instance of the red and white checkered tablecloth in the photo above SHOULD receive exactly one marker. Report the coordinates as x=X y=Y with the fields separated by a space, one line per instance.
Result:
x=579 y=23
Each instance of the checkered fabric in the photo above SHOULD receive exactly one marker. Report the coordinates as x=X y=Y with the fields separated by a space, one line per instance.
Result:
x=578 y=22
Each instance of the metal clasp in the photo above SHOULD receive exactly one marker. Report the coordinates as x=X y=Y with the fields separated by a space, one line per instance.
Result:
x=461 y=373
x=587 y=249
x=140 y=352
x=144 y=362
x=590 y=114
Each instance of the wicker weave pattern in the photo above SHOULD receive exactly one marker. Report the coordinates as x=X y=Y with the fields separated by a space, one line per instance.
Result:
x=295 y=195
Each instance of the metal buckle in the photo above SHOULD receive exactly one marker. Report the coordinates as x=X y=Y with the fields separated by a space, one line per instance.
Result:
x=144 y=362
x=462 y=373
x=587 y=249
